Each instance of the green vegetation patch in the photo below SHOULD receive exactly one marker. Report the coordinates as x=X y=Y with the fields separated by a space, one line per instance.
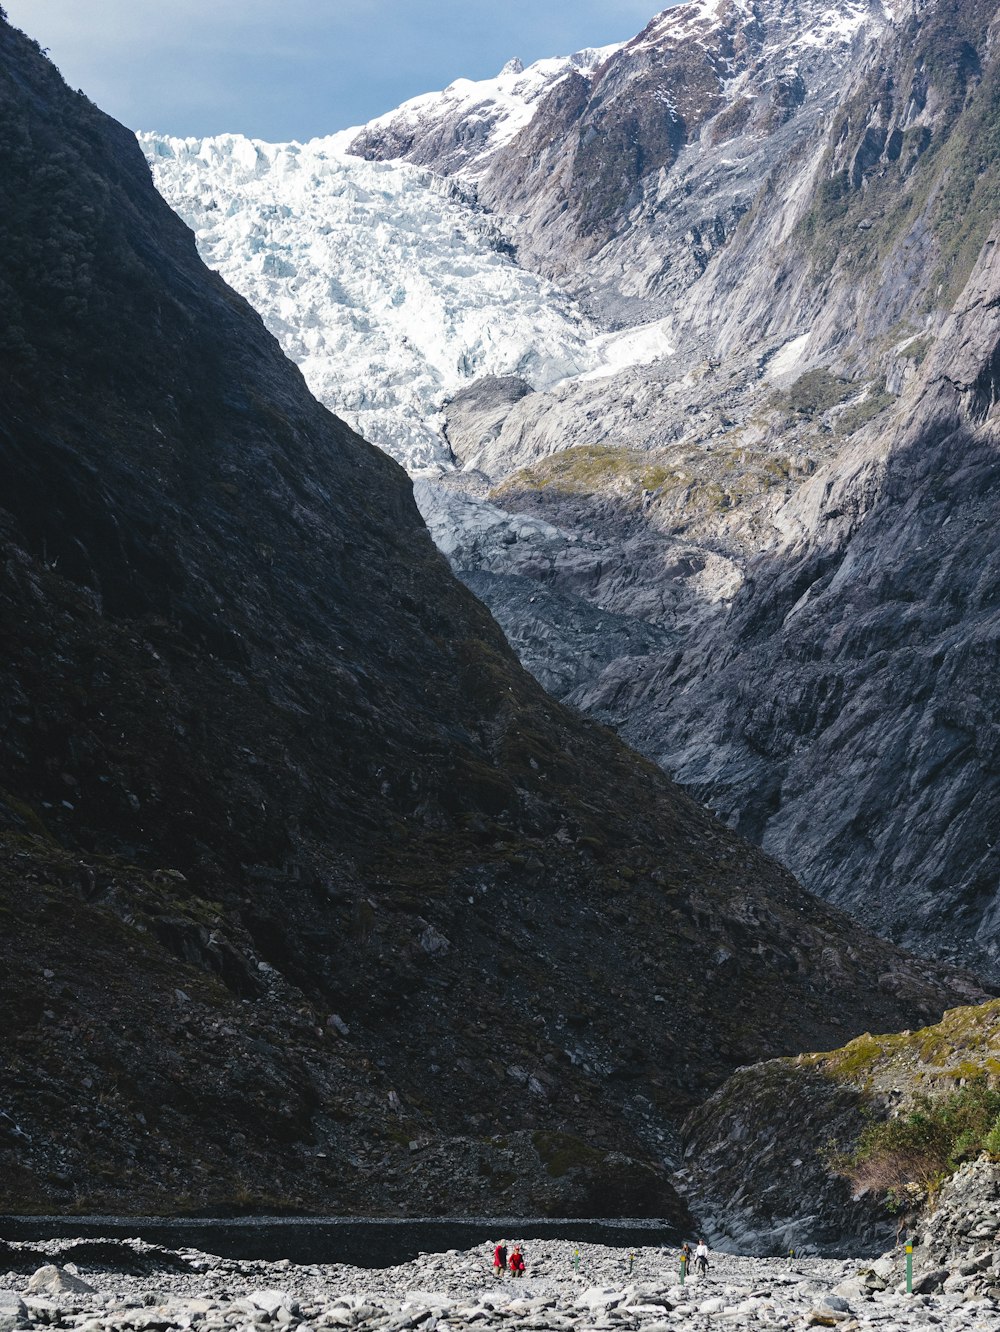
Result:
x=949 y=1075
x=858 y=414
x=815 y=392
x=917 y=348
x=911 y=1156
x=593 y=467
x=690 y=482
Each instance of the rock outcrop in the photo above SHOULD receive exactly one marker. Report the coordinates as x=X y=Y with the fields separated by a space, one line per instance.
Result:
x=771 y=1158
x=955 y=1246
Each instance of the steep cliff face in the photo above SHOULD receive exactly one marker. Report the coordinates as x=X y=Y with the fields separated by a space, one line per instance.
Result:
x=309 y=892
x=860 y=648
x=864 y=239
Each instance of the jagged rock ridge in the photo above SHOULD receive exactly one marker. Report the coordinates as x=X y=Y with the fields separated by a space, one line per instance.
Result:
x=630 y=174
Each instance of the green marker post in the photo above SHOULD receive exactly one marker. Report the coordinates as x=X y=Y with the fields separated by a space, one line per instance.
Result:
x=576 y=1260
x=684 y=1268
x=631 y=1261
x=909 y=1269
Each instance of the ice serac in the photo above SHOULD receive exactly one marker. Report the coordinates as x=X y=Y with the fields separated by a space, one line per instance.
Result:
x=311 y=898
x=381 y=281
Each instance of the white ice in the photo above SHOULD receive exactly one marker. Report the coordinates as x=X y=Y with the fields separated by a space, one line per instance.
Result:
x=386 y=288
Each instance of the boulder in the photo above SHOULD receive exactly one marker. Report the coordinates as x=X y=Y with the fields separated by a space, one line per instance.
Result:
x=12 y=1310
x=270 y=1300
x=835 y=1302
x=56 y=1280
x=930 y=1281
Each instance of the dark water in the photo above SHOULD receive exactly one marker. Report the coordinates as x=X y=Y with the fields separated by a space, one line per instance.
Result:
x=360 y=1241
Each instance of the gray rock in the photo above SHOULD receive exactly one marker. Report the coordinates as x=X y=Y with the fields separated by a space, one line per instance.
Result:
x=12 y=1310
x=930 y=1281
x=271 y=1301
x=56 y=1280
x=836 y=1302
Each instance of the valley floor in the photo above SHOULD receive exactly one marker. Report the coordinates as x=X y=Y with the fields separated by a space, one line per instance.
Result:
x=454 y=1291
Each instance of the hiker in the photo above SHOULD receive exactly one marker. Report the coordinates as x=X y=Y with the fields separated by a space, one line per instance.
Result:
x=516 y=1262
x=701 y=1257
x=500 y=1259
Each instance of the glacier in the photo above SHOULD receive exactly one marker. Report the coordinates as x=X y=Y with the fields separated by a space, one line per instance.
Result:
x=385 y=283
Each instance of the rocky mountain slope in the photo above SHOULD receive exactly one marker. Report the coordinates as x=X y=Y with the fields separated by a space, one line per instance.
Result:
x=312 y=898
x=464 y=126
x=632 y=171
x=789 y=513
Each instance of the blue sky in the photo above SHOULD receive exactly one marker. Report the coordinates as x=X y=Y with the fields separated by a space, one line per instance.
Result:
x=283 y=69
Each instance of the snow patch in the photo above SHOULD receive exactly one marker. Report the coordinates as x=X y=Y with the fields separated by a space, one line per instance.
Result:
x=632 y=346
x=785 y=361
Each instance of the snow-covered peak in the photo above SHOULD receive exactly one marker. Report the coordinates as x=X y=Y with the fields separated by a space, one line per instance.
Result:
x=802 y=25
x=479 y=116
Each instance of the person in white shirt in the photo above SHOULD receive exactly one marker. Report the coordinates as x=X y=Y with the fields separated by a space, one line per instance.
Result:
x=701 y=1257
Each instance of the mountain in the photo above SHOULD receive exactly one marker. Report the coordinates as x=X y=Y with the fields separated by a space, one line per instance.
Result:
x=863 y=605
x=312 y=898
x=788 y=511
x=464 y=126
x=635 y=168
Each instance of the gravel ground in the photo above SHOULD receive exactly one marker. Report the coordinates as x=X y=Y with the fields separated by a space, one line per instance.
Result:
x=456 y=1291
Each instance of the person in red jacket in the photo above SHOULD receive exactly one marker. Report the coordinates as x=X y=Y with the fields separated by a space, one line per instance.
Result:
x=516 y=1262
x=500 y=1259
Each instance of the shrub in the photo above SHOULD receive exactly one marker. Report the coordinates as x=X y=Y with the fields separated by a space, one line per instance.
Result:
x=817 y=391
x=911 y=1155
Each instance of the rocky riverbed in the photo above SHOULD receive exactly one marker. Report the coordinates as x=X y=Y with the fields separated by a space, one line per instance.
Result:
x=135 y=1287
